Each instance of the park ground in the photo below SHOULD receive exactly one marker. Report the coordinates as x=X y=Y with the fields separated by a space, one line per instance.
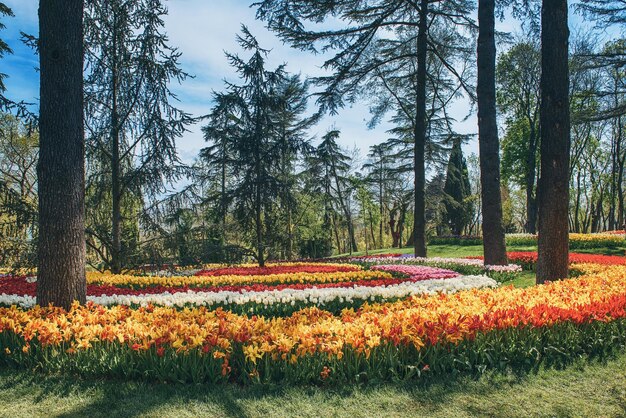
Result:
x=585 y=389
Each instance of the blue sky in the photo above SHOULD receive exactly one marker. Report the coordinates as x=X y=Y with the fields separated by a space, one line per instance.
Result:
x=203 y=30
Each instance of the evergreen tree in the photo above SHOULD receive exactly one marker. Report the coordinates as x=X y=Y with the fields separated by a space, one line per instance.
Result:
x=60 y=170
x=5 y=11
x=257 y=129
x=328 y=169
x=218 y=158
x=291 y=126
x=457 y=191
x=18 y=191
x=378 y=39
x=131 y=121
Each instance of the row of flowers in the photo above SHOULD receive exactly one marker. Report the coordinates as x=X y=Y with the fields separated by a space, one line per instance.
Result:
x=577 y=241
x=462 y=332
x=466 y=266
x=528 y=259
x=286 y=301
x=233 y=280
x=278 y=268
x=245 y=269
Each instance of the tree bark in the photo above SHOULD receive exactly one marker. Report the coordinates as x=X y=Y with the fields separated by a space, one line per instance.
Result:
x=419 y=231
x=489 y=144
x=116 y=191
x=61 y=166
x=553 y=189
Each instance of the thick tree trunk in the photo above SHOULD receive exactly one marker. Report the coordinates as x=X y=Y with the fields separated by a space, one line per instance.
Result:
x=419 y=231
x=553 y=189
x=61 y=167
x=489 y=144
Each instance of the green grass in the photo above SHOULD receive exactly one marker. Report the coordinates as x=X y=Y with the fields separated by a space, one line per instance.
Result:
x=468 y=250
x=585 y=390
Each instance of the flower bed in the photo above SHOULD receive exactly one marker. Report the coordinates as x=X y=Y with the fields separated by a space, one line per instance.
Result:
x=577 y=241
x=464 y=332
x=279 y=302
x=274 y=269
x=332 y=286
x=528 y=259
x=139 y=282
x=468 y=266
x=418 y=272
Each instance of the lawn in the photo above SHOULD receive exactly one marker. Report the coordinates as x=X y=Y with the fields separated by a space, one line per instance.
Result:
x=583 y=389
x=468 y=250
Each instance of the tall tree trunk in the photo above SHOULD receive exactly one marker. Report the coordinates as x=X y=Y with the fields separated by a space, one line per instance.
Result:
x=61 y=167
x=620 y=176
x=553 y=192
x=419 y=231
x=489 y=144
x=289 y=249
x=381 y=202
x=116 y=193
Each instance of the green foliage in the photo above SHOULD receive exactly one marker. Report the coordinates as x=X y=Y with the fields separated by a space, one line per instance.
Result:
x=18 y=192
x=131 y=123
x=524 y=349
x=256 y=132
x=457 y=201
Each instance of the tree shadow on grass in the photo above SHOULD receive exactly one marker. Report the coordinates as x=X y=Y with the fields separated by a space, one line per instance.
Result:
x=110 y=397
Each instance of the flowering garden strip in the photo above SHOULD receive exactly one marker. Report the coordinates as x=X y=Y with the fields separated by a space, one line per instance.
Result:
x=528 y=259
x=25 y=286
x=282 y=302
x=466 y=266
x=466 y=332
x=233 y=280
x=577 y=241
x=418 y=272
x=284 y=268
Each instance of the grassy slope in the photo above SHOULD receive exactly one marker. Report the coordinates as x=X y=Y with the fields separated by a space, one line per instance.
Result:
x=581 y=390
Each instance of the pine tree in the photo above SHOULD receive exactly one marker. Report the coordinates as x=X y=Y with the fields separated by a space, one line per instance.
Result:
x=457 y=190
x=5 y=11
x=368 y=48
x=131 y=121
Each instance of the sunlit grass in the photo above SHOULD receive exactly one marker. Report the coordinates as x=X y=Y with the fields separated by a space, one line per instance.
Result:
x=585 y=390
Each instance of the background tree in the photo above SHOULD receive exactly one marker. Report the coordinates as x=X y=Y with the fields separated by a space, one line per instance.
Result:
x=5 y=11
x=377 y=38
x=489 y=144
x=217 y=159
x=19 y=146
x=457 y=203
x=131 y=122
x=553 y=195
x=262 y=145
x=329 y=166
x=518 y=75
x=60 y=170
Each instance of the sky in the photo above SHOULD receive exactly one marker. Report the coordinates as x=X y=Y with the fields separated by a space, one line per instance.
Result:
x=202 y=30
